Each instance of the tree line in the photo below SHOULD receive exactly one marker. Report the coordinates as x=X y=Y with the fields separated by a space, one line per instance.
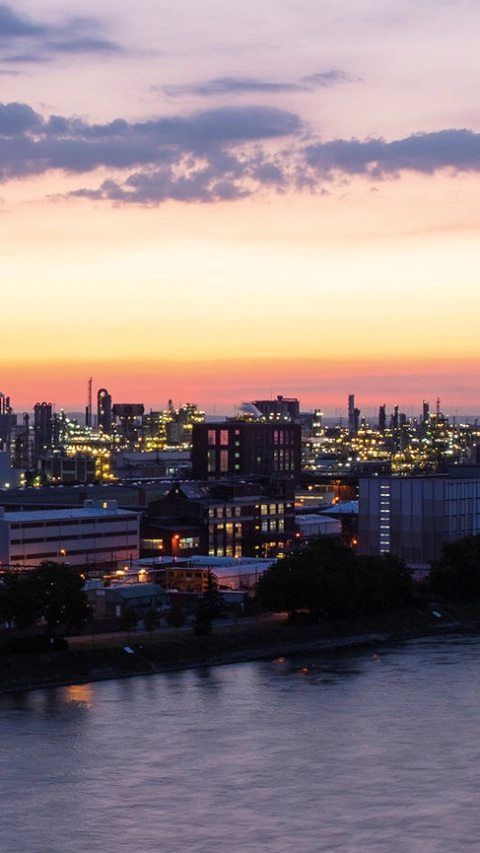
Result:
x=326 y=579
x=51 y=593
x=330 y=581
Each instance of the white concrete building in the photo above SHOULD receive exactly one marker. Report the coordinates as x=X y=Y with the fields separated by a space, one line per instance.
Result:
x=97 y=534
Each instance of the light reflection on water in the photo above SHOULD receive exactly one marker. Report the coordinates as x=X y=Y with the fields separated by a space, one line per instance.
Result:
x=360 y=752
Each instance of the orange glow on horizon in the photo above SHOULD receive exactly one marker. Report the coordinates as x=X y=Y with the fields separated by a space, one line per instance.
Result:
x=222 y=385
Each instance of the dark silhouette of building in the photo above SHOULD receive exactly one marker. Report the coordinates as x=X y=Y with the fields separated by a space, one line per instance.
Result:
x=104 y=411
x=382 y=419
x=283 y=408
x=42 y=428
x=353 y=415
x=239 y=448
x=7 y=421
x=129 y=415
x=394 y=419
x=59 y=468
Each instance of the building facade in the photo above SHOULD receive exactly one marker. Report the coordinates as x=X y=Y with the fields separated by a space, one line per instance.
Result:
x=412 y=517
x=239 y=448
x=99 y=534
x=220 y=520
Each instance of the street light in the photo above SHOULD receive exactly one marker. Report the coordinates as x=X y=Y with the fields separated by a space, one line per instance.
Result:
x=175 y=545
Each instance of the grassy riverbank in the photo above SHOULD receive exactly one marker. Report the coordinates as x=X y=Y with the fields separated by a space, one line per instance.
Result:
x=95 y=659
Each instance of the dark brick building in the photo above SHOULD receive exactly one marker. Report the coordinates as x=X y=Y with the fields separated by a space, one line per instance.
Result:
x=238 y=448
x=221 y=519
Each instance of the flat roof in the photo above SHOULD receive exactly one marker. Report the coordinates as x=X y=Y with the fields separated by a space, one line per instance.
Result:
x=64 y=514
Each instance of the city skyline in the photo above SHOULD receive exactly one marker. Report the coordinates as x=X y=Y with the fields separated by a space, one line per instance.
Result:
x=369 y=411
x=216 y=203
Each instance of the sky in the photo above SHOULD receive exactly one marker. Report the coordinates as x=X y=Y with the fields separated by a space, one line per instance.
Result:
x=216 y=202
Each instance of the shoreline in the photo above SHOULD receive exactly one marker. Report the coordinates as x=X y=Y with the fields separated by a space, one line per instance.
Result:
x=93 y=660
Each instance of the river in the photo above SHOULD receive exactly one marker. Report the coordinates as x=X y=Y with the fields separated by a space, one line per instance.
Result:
x=366 y=751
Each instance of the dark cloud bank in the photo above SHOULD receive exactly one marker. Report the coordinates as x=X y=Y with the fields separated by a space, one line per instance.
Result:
x=213 y=155
x=24 y=40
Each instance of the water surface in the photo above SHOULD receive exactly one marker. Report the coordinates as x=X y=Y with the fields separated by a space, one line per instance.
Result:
x=370 y=751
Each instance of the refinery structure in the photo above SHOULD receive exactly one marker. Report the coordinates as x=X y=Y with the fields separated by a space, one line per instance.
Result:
x=177 y=484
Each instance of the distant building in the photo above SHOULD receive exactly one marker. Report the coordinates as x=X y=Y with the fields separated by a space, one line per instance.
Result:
x=7 y=421
x=192 y=573
x=104 y=411
x=42 y=428
x=129 y=415
x=239 y=448
x=313 y=525
x=98 y=534
x=60 y=468
x=283 y=408
x=173 y=464
x=183 y=577
x=412 y=517
x=113 y=601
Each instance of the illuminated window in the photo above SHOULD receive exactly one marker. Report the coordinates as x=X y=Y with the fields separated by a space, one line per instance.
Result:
x=211 y=461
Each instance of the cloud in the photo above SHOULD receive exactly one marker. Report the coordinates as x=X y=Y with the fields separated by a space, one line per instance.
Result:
x=17 y=119
x=82 y=44
x=17 y=26
x=252 y=85
x=231 y=86
x=39 y=41
x=427 y=153
x=213 y=155
x=207 y=156
x=326 y=79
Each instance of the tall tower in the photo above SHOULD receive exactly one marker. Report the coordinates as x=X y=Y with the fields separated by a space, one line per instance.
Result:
x=104 y=411
x=42 y=428
x=351 y=413
x=382 y=418
x=88 y=410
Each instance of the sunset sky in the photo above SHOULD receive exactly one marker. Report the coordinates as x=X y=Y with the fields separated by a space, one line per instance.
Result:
x=217 y=201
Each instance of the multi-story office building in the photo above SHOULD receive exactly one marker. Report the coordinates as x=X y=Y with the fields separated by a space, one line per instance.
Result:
x=98 y=534
x=239 y=448
x=412 y=517
x=221 y=519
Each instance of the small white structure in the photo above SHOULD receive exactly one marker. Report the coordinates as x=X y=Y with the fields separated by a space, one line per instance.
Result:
x=315 y=524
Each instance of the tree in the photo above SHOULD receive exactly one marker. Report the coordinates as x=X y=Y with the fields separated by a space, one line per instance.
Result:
x=330 y=581
x=151 y=620
x=18 y=602
x=128 y=620
x=209 y=607
x=456 y=574
x=58 y=589
x=175 y=616
x=319 y=579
